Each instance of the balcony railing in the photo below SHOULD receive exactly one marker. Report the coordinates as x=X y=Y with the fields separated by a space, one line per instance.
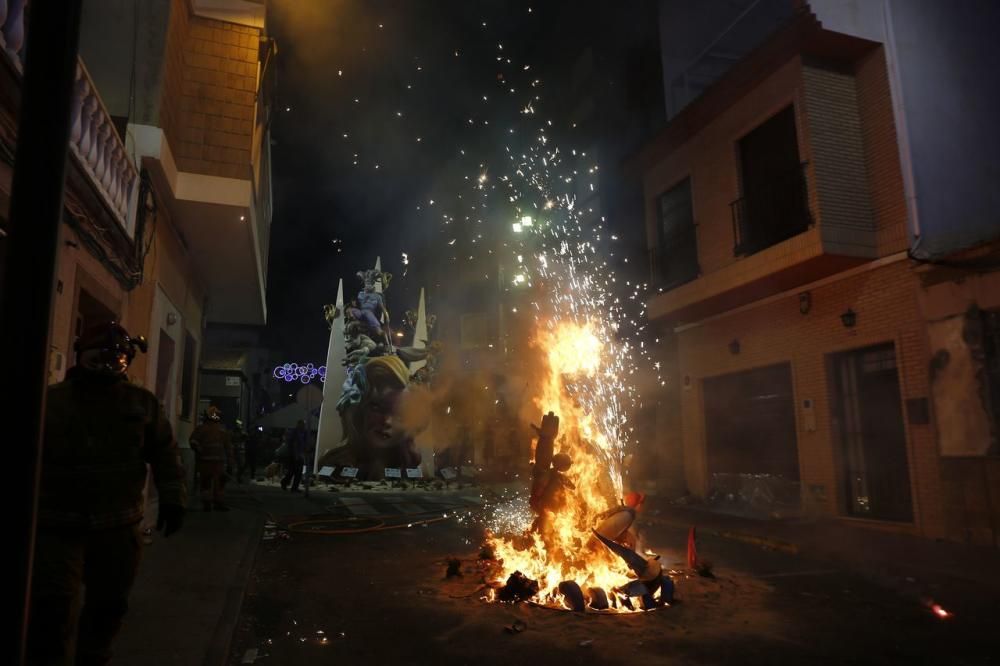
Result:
x=675 y=261
x=12 y=30
x=94 y=141
x=767 y=216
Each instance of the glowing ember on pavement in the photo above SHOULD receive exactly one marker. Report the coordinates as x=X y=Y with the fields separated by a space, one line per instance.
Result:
x=940 y=612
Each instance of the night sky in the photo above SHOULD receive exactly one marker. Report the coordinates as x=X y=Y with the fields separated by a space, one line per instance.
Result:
x=374 y=103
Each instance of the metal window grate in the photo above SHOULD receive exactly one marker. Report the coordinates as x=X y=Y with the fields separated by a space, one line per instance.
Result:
x=771 y=214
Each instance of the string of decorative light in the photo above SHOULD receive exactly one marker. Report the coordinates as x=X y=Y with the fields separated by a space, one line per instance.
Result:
x=292 y=372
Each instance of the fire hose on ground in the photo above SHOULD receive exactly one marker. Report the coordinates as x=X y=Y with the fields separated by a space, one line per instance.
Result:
x=298 y=527
x=381 y=522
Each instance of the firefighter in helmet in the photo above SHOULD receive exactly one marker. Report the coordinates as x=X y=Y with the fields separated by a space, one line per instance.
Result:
x=100 y=433
x=214 y=448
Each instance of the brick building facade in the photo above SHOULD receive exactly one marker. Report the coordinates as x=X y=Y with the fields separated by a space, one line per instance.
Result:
x=168 y=202
x=798 y=335
x=210 y=93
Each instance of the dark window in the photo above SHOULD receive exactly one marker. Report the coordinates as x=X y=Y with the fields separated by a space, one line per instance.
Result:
x=991 y=353
x=90 y=312
x=187 y=376
x=164 y=364
x=774 y=206
x=868 y=420
x=675 y=261
x=750 y=423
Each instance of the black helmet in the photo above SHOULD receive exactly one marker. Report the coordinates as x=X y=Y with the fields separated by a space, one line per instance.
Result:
x=107 y=348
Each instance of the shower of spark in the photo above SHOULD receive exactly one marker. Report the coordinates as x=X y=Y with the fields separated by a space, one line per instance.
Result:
x=531 y=212
x=583 y=331
x=558 y=250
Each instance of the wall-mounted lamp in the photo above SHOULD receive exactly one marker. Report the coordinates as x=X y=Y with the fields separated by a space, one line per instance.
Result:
x=805 y=302
x=849 y=318
x=734 y=347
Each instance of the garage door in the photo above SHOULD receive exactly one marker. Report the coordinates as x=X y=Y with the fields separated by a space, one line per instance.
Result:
x=750 y=423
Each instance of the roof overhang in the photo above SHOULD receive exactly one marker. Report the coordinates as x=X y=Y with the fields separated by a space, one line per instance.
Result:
x=242 y=12
x=777 y=269
x=216 y=218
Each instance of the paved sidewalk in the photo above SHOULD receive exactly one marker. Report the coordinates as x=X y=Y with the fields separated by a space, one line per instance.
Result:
x=186 y=599
x=890 y=558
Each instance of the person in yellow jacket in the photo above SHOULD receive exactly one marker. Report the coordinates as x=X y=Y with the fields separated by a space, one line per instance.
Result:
x=100 y=433
x=214 y=450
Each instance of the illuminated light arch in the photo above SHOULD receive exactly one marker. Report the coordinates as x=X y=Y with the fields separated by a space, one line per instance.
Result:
x=293 y=372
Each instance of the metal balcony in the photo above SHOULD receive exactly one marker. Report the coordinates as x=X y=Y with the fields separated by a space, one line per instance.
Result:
x=767 y=216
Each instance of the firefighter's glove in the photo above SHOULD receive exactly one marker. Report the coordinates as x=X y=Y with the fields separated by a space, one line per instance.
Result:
x=171 y=518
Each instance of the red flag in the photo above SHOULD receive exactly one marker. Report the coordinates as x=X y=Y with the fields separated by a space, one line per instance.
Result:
x=692 y=550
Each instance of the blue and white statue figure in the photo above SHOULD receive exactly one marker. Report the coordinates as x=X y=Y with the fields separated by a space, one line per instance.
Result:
x=369 y=308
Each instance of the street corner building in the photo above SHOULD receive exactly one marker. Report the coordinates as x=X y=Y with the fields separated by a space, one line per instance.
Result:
x=168 y=192
x=826 y=273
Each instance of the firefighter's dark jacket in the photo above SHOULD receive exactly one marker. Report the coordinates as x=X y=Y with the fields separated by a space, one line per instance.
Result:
x=99 y=434
x=212 y=443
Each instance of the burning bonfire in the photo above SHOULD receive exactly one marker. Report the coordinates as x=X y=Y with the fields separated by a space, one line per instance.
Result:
x=582 y=548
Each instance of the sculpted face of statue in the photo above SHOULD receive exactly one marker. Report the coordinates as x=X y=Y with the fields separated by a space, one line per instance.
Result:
x=379 y=412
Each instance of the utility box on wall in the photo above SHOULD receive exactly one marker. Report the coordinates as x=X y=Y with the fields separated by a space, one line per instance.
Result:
x=57 y=366
x=808 y=415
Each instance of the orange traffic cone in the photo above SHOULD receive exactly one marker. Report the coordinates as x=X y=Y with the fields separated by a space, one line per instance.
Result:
x=692 y=550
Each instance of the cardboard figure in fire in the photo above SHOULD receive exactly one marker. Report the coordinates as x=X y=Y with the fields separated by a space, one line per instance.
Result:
x=544 y=450
x=549 y=480
x=551 y=497
x=618 y=523
x=648 y=572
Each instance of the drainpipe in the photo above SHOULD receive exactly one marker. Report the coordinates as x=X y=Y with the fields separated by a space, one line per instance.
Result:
x=25 y=312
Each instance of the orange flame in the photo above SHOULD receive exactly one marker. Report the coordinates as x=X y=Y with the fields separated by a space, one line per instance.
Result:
x=564 y=549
